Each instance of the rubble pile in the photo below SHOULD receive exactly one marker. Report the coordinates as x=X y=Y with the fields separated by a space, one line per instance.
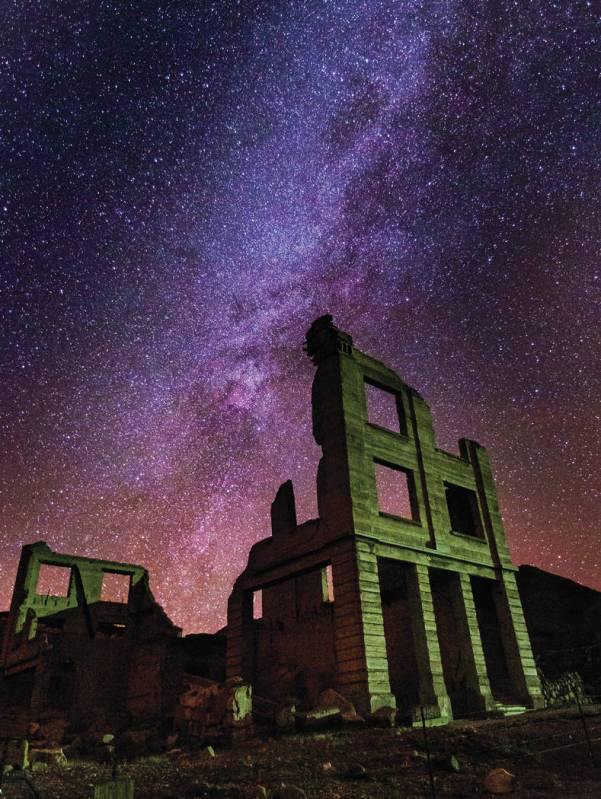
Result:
x=564 y=690
x=211 y=711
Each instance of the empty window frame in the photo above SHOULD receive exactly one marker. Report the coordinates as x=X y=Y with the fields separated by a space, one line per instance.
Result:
x=115 y=587
x=396 y=491
x=464 y=514
x=53 y=580
x=327 y=583
x=384 y=408
x=257 y=605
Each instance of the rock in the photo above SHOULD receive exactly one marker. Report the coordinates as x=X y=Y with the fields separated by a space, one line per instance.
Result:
x=357 y=772
x=288 y=792
x=383 y=717
x=212 y=710
x=332 y=700
x=499 y=781
x=352 y=719
x=317 y=719
x=453 y=764
x=331 y=710
x=239 y=703
x=447 y=763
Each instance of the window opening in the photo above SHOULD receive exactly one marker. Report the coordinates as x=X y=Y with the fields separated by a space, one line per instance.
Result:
x=384 y=408
x=115 y=587
x=463 y=511
x=53 y=580
x=257 y=605
x=396 y=491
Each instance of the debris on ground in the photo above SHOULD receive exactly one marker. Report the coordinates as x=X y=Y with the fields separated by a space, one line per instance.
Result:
x=468 y=759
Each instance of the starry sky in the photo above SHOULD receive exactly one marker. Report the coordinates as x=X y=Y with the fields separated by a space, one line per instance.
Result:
x=185 y=185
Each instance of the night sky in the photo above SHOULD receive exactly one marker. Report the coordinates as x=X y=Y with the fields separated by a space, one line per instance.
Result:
x=185 y=186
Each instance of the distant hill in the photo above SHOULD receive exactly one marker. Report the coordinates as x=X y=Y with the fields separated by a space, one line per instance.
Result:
x=564 y=622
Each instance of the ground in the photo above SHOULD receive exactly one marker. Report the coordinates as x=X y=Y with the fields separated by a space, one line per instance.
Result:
x=546 y=751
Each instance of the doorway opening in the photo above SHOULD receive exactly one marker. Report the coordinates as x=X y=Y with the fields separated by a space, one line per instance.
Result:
x=398 y=632
x=492 y=639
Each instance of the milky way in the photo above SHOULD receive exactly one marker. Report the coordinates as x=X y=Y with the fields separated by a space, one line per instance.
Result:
x=186 y=185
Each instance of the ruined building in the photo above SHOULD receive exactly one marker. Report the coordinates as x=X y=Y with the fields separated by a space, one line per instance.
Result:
x=401 y=594
x=405 y=605
x=84 y=640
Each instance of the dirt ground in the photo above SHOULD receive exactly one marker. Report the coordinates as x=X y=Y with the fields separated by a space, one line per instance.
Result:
x=545 y=750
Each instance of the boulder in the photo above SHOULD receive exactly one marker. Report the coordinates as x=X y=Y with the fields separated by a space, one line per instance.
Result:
x=357 y=772
x=331 y=710
x=315 y=720
x=214 y=711
x=499 y=781
x=332 y=700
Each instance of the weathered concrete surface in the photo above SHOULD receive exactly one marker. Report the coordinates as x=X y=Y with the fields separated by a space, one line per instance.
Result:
x=396 y=632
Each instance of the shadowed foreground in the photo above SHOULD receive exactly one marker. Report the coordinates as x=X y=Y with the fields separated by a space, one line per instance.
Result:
x=545 y=750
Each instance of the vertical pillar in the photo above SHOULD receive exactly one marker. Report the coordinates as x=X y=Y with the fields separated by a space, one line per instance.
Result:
x=239 y=635
x=359 y=629
x=516 y=641
x=431 y=688
x=480 y=694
